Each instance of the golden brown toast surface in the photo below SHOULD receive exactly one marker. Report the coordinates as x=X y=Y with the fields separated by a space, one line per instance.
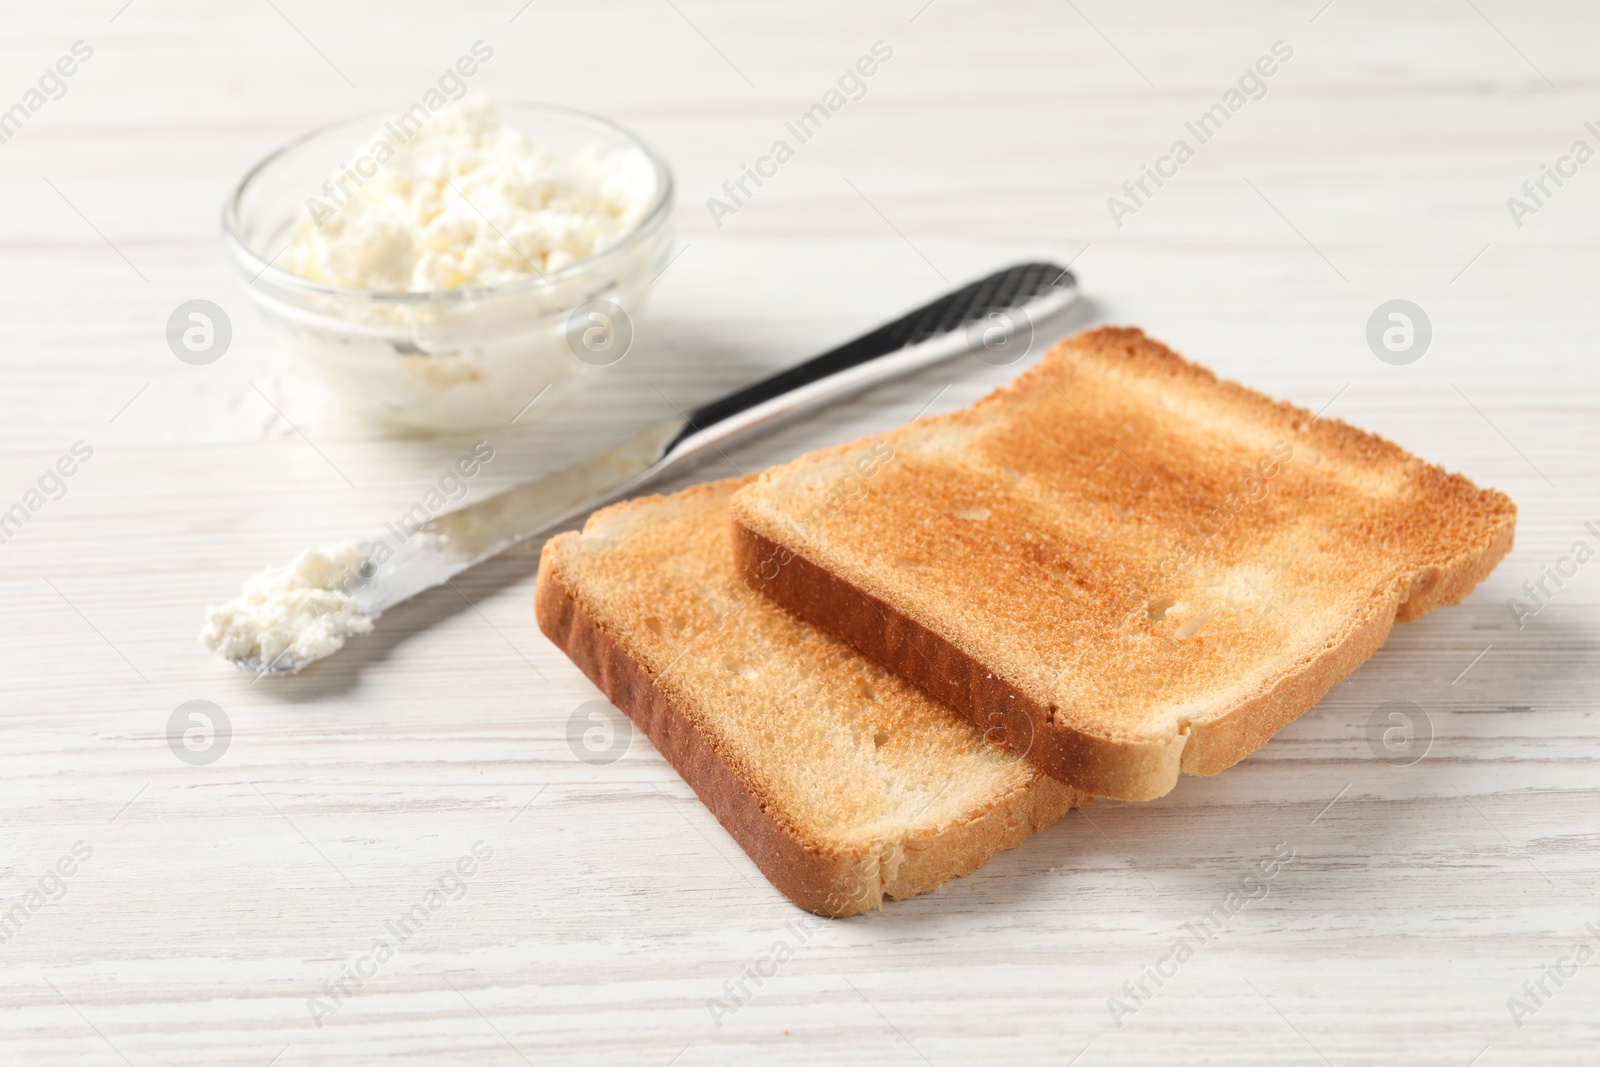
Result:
x=844 y=783
x=1120 y=563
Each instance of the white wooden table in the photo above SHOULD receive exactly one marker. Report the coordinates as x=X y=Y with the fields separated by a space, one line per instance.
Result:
x=217 y=900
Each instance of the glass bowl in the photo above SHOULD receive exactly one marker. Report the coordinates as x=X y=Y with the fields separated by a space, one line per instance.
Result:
x=450 y=359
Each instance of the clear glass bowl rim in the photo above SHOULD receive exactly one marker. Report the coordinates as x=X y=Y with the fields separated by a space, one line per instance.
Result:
x=261 y=269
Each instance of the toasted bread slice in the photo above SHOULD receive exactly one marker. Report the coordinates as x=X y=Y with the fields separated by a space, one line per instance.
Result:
x=1119 y=563
x=845 y=784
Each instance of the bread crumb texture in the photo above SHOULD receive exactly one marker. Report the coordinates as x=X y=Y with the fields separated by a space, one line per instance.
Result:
x=845 y=758
x=1135 y=545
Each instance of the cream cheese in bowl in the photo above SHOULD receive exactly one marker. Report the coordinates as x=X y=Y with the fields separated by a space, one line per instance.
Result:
x=435 y=271
x=467 y=200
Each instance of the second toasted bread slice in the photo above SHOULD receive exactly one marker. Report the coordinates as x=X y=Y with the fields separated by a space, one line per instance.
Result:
x=1119 y=564
x=845 y=784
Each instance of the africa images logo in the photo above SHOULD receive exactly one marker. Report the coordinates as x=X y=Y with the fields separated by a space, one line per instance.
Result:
x=1251 y=85
x=851 y=85
x=362 y=968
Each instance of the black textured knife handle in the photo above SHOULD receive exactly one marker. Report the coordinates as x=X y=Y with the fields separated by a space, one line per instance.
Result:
x=1038 y=287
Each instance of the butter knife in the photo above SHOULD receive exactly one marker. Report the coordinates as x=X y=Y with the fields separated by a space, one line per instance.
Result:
x=994 y=316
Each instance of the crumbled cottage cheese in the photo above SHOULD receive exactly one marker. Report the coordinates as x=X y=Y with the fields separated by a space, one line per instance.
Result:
x=465 y=200
x=293 y=614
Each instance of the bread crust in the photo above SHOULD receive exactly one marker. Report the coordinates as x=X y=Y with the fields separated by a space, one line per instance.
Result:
x=829 y=884
x=1098 y=766
x=1105 y=764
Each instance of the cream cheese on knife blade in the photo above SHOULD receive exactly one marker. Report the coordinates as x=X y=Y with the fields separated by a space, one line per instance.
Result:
x=303 y=611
